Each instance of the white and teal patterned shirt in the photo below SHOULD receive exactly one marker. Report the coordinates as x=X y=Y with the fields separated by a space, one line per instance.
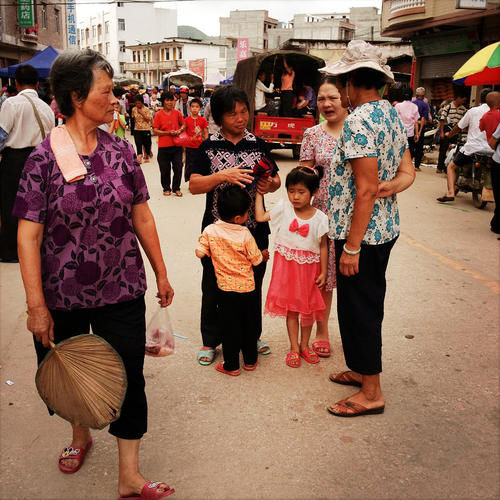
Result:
x=373 y=130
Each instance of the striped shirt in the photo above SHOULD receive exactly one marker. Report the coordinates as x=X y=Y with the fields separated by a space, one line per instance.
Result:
x=452 y=114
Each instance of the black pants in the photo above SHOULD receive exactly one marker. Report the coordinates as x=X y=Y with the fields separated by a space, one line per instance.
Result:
x=495 y=184
x=132 y=120
x=11 y=168
x=142 y=139
x=209 y=322
x=123 y=325
x=237 y=320
x=269 y=109
x=286 y=102
x=360 y=307
x=191 y=155
x=411 y=146
x=419 y=150
x=170 y=159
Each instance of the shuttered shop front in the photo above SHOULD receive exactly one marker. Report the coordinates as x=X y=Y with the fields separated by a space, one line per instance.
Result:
x=442 y=66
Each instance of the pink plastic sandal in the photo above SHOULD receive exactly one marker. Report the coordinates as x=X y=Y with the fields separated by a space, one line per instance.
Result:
x=150 y=492
x=293 y=359
x=310 y=356
x=220 y=368
x=74 y=454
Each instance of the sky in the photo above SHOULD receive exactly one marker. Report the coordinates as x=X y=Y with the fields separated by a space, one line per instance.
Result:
x=204 y=14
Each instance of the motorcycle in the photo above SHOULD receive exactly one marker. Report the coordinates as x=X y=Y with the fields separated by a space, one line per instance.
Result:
x=474 y=177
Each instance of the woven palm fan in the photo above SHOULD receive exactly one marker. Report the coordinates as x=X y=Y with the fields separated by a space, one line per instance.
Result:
x=83 y=380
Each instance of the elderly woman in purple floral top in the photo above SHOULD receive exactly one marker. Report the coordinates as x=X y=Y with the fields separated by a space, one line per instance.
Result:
x=79 y=252
x=317 y=148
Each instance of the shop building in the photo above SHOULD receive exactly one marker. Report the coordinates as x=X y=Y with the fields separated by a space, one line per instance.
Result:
x=49 y=27
x=444 y=35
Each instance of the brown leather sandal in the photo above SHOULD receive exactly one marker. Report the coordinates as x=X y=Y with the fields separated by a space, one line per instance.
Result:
x=354 y=409
x=343 y=378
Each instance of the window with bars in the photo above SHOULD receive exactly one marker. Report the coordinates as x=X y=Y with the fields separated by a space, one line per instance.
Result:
x=44 y=15
x=121 y=24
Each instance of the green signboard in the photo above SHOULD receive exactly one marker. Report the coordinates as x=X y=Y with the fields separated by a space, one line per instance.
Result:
x=446 y=42
x=25 y=13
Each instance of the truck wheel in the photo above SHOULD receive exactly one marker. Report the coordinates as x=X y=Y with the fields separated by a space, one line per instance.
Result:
x=296 y=151
x=478 y=200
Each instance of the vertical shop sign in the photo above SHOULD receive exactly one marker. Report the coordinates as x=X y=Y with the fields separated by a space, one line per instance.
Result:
x=242 y=48
x=25 y=13
x=71 y=23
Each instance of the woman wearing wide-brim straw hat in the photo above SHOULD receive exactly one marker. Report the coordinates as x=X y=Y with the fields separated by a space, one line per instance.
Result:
x=371 y=164
x=82 y=209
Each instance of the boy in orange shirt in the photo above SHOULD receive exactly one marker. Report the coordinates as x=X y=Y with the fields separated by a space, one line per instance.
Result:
x=197 y=130
x=169 y=123
x=233 y=251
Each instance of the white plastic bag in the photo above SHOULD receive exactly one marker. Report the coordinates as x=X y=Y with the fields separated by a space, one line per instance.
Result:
x=450 y=156
x=160 y=334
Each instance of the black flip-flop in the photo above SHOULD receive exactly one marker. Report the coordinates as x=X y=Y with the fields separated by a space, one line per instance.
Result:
x=444 y=199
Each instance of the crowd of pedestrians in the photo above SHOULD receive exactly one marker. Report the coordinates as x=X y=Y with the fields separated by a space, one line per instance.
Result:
x=77 y=196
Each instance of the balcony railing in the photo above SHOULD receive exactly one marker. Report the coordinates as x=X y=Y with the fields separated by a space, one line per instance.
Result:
x=406 y=7
x=171 y=65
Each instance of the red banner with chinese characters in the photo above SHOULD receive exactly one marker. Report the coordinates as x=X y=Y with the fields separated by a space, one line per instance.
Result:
x=198 y=66
x=242 y=48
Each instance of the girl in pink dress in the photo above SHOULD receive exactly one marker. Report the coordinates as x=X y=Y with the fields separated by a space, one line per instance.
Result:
x=300 y=261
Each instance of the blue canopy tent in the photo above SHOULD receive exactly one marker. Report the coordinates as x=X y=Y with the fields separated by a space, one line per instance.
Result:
x=41 y=62
x=227 y=81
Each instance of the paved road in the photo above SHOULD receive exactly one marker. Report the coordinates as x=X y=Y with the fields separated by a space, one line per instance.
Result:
x=267 y=434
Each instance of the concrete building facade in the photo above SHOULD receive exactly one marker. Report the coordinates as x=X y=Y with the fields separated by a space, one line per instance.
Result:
x=151 y=62
x=18 y=44
x=121 y=24
x=265 y=33
x=252 y=24
x=322 y=27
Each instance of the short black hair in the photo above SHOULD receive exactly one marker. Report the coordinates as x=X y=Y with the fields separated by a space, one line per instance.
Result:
x=407 y=94
x=196 y=101
x=484 y=93
x=207 y=93
x=459 y=91
x=26 y=75
x=364 y=77
x=305 y=175
x=73 y=72
x=224 y=100
x=167 y=96
x=232 y=201
x=118 y=91
x=332 y=80
x=11 y=89
x=139 y=98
